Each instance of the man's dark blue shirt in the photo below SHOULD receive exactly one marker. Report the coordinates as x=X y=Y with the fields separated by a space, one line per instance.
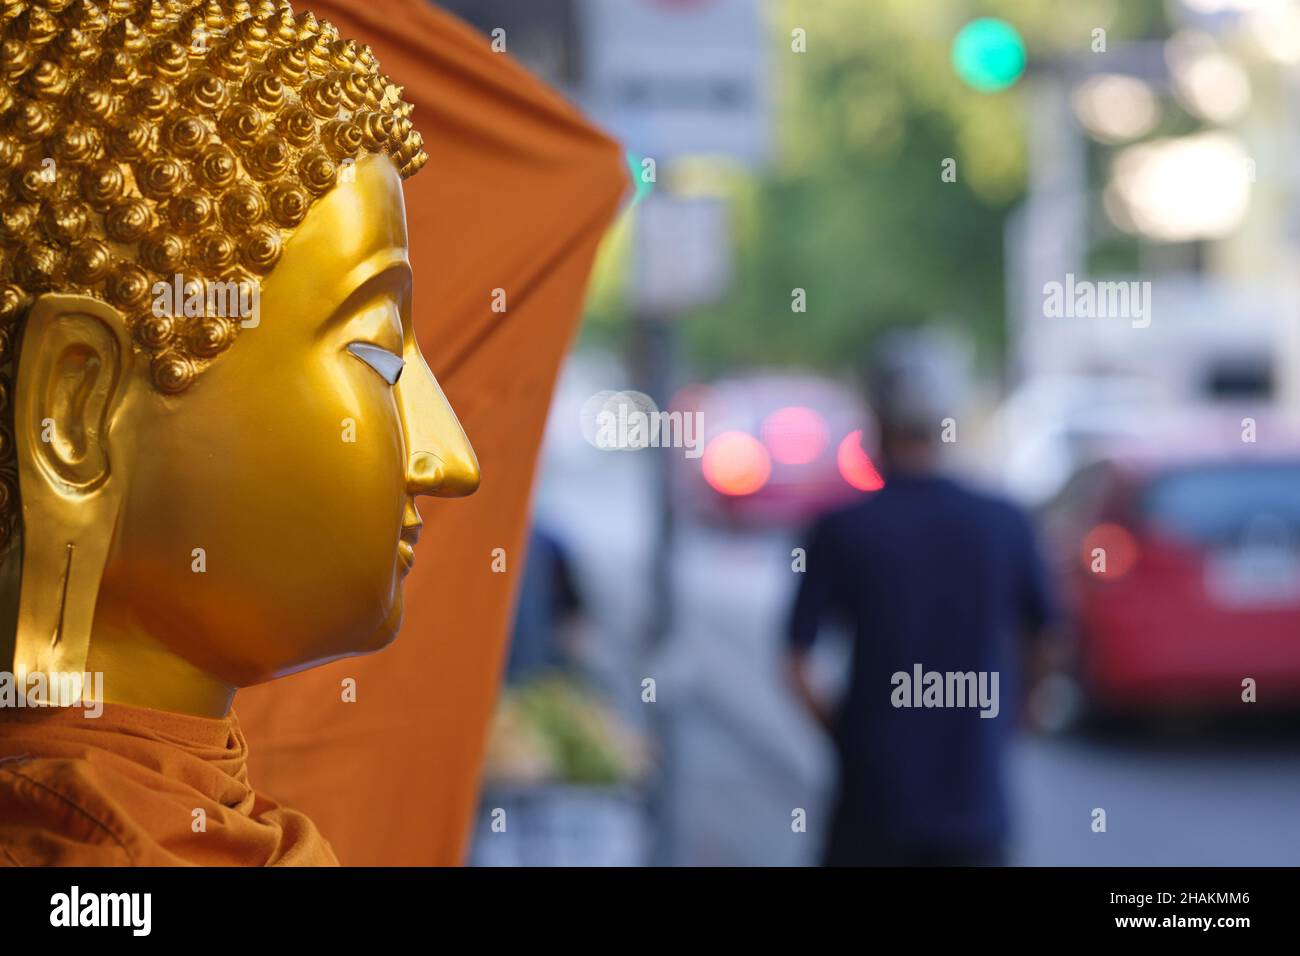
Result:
x=924 y=572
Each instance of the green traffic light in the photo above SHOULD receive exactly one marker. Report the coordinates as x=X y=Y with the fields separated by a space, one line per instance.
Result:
x=988 y=54
x=644 y=187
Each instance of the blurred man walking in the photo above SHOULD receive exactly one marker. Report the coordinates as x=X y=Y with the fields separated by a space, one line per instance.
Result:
x=939 y=586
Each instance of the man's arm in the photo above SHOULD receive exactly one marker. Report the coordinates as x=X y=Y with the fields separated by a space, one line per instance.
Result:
x=812 y=602
x=799 y=671
x=1043 y=651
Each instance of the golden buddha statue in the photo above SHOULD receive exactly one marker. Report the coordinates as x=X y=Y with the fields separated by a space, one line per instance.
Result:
x=198 y=492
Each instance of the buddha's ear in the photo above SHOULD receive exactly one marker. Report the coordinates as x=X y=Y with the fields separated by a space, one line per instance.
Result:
x=73 y=370
x=73 y=364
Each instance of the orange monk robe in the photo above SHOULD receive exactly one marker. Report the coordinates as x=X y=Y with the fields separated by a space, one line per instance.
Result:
x=139 y=787
x=517 y=194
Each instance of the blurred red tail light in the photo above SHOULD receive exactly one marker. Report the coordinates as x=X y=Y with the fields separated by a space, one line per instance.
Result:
x=856 y=466
x=736 y=464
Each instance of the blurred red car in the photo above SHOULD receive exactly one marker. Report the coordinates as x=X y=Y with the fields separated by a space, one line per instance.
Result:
x=777 y=449
x=1181 y=566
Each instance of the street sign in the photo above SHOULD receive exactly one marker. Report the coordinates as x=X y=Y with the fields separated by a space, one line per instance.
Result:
x=682 y=257
x=672 y=78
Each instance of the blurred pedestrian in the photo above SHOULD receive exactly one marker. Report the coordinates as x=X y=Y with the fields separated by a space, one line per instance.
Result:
x=940 y=585
x=547 y=611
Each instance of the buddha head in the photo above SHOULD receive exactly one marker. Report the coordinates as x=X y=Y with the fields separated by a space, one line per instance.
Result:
x=202 y=490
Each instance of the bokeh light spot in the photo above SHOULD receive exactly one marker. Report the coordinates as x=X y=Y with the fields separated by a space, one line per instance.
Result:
x=795 y=435
x=988 y=54
x=856 y=465
x=1109 y=551
x=736 y=464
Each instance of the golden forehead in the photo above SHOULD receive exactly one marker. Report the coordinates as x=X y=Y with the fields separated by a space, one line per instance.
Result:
x=144 y=139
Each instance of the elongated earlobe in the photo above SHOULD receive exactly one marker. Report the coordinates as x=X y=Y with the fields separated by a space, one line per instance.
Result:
x=72 y=373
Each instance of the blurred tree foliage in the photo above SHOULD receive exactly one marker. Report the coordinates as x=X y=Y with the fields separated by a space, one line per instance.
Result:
x=853 y=208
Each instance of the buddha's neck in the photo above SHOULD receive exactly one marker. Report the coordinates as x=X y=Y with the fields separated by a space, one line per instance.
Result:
x=139 y=670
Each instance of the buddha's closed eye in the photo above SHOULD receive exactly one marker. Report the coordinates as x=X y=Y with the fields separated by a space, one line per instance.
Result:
x=388 y=365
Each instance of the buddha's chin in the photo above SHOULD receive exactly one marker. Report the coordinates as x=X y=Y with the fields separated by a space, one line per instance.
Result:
x=380 y=640
x=386 y=633
x=350 y=642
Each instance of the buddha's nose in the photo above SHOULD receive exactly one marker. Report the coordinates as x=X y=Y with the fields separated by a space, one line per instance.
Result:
x=452 y=475
x=440 y=461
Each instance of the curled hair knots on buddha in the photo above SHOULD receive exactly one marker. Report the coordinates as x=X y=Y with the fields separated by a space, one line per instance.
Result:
x=144 y=139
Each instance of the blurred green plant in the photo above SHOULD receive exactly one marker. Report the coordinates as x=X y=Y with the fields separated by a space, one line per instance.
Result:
x=555 y=729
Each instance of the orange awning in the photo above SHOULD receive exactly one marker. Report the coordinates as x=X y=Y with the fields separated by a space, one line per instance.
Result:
x=516 y=196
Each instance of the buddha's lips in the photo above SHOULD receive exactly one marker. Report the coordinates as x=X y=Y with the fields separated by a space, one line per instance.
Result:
x=405 y=556
x=406 y=546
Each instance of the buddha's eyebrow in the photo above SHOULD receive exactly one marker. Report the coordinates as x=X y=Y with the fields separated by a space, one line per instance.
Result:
x=393 y=276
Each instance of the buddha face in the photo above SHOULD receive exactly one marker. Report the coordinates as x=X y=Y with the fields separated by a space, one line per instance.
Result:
x=269 y=514
x=192 y=501
x=262 y=521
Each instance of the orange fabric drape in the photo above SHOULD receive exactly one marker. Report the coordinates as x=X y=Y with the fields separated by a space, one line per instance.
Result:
x=516 y=195
x=126 y=788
